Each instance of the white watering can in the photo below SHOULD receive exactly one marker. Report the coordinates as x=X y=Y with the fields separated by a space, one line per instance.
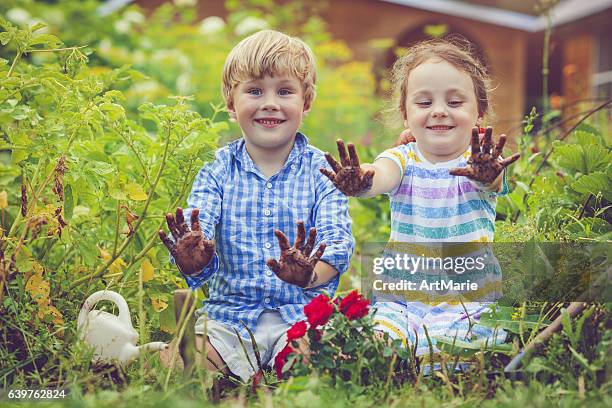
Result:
x=112 y=337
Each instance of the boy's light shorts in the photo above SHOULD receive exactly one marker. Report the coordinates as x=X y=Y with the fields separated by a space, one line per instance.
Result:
x=405 y=320
x=270 y=336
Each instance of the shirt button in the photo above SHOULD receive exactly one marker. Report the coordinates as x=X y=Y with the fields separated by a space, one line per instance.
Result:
x=269 y=273
x=267 y=300
x=269 y=185
x=268 y=245
x=293 y=167
x=267 y=212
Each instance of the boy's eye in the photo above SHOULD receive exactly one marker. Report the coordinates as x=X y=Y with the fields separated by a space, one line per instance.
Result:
x=285 y=91
x=254 y=91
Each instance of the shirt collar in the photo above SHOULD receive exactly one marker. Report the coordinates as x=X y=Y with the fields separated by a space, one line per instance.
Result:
x=238 y=150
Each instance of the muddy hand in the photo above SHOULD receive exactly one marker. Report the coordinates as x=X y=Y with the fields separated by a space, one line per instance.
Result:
x=191 y=251
x=404 y=138
x=296 y=264
x=347 y=175
x=485 y=164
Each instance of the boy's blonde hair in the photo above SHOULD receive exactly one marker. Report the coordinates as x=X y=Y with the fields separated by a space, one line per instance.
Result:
x=270 y=53
x=456 y=52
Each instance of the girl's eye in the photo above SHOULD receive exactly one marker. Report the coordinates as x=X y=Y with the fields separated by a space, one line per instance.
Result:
x=455 y=103
x=255 y=91
x=423 y=103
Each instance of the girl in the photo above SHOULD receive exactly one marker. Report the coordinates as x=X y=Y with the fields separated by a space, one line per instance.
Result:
x=440 y=192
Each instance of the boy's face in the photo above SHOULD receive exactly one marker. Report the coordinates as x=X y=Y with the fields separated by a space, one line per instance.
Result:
x=268 y=110
x=441 y=109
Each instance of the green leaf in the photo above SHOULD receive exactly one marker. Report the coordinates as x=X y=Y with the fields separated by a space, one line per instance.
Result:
x=594 y=183
x=586 y=138
x=467 y=348
x=135 y=192
x=596 y=158
x=68 y=202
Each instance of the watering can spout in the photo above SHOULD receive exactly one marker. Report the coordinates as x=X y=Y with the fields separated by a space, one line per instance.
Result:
x=154 y=346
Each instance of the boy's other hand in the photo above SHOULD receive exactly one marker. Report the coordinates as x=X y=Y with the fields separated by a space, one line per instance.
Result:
x=191 y=251
x=296 y=264
x=347 y=175
x=484 y=165
x=404 y=138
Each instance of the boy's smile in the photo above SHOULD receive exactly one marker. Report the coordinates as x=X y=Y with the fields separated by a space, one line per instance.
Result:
x=441 y=109
x=269 y=111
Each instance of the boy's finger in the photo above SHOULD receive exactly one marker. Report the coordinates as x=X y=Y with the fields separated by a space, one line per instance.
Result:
x=172 y=226
x=274 y=265
x=353 y=155
x=500 y=147
x=342 y=153
x=332 y=162
x=301 y=235
x=508 y=161
x=195 y=220
x=168 y=243
x=487 y=141
x=181 y=225
x=312 y=235
x=315 y=258
x=283 y=242
x=328 y=173
x=462 y=171
x=475 y=142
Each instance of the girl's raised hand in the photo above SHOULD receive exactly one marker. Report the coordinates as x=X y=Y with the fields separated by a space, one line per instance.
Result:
x=347 y=175
x=191 y=251
x=484 y=165
x=296 y=264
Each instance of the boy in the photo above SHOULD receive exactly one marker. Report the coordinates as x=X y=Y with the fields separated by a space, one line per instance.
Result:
x=257 y=188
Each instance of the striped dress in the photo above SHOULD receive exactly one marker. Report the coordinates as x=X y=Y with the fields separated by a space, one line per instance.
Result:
x=429 y=208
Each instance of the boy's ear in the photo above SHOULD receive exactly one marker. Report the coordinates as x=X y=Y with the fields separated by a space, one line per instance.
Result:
x=307 y=106
x=230 y=109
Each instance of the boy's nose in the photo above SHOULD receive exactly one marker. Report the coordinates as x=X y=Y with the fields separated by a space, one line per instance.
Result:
x=270 y=104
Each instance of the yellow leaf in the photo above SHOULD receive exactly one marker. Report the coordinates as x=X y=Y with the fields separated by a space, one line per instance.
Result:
x=38 y=288
x=147 y=270
x=117 y=265
x=159 y=304
x=3 y=200
x=135 y=192
x=46 y=310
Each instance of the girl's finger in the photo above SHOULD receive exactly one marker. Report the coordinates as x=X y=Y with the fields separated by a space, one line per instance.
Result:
x=500 y=147
x=312 y=235
x=508 y=161
x=342 y=153
x=333 y=163
x=462 y=171
x=283 y=242
x=353 y=155
x=487 y=141
x=301 y=235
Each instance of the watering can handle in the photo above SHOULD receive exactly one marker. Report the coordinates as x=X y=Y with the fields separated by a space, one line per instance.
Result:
x=124 y=311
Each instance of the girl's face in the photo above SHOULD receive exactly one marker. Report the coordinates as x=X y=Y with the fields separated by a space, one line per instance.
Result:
x=441 y=109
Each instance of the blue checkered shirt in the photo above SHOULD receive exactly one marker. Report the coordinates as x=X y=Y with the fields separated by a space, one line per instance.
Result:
x=240 y=208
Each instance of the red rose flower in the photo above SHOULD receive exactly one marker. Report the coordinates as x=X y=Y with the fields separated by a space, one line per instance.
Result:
x=354 y=306
x=297 y=331
x=281 y=359
x=318 y=310
x=348 y=301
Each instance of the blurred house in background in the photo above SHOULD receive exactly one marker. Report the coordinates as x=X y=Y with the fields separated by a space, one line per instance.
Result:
x=508 y=35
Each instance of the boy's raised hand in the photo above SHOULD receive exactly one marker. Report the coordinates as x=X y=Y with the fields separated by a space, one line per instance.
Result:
x=484 y=165
x=191 y=251
x=296 y=264
x=347 y=175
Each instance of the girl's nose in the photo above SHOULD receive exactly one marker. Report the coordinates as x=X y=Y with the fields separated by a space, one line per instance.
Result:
x=439 y=111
